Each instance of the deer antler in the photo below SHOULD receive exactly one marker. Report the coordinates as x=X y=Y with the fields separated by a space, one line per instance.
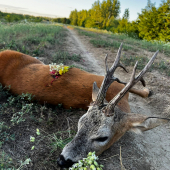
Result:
x=109 y=78
x=109 y=109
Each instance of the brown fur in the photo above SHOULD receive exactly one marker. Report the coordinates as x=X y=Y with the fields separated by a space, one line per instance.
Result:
x=73 y=89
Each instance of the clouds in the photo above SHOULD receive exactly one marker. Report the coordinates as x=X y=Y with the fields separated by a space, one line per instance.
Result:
x=11 y=7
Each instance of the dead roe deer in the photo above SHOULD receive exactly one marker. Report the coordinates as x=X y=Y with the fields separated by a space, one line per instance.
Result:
x=105 y=123
x=26 y=74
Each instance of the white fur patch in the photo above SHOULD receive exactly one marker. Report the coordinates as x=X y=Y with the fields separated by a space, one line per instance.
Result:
x=136 y=124
x=136 y=130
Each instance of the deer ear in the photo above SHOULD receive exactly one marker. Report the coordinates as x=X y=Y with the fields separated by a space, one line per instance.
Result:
x=95 y=91
x=140 y=123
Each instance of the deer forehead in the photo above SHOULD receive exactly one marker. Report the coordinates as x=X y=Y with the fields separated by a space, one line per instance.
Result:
x=95 y=121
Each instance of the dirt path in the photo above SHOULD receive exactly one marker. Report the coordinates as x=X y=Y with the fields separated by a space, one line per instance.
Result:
x=150 y=150
x=89 y=62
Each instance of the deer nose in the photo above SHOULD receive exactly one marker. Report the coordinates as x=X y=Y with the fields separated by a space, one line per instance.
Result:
x=64 y=163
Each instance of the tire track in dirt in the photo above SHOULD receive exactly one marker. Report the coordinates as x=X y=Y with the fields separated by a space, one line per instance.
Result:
x=150 y=150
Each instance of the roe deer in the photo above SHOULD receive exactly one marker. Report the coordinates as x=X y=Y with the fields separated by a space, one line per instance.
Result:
x=104 y=124
x=73 y=89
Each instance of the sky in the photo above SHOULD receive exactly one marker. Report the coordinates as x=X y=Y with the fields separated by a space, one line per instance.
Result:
x=62 y=8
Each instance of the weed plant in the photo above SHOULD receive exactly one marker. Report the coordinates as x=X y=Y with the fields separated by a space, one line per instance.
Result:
x=6 y=162
x=89 y=163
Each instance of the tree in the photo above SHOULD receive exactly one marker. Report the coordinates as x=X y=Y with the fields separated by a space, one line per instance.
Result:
x=126 y=14
x=149 y=5
x=116 y=8
x=96 y=14
x=164 y=21
x=82 y=15
x=154 y=23
x=147 y=22
x=100 y=15
x=73 y=17
x=110 y=9
x=8 y=18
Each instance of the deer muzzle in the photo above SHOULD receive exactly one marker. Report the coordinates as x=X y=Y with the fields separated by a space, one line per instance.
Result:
x=64 y=163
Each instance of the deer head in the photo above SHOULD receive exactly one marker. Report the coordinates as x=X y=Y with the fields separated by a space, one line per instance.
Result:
x=104 y=123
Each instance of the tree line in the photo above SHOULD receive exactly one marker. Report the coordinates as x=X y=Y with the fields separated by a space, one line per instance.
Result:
x=152 y=23
x=12 y=17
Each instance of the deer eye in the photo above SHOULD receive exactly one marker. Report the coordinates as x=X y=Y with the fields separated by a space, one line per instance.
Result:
x=101 y=139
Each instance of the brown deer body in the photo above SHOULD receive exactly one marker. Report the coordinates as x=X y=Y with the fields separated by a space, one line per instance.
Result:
x=26 y=74
x=105 y=123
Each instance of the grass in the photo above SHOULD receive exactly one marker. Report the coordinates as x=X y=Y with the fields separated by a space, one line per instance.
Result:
x=32 y=39
x=105 y=43
x=162 y=66
x=99 y=41
x=37 y=40
x=63 y=57
x=146 y=45
x=89 y=34
x=149 y=46
x=104 y=39
x=58 y=142
x=131 y=60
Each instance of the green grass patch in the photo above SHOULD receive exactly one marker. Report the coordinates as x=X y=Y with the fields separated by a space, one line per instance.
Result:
x=162 y=66
x=89 y=34
x=131 y=60
x=30 y=38
x=104 y=43
x=149 y=46
x=63 y=57
x=99 y=42
x=37 y=40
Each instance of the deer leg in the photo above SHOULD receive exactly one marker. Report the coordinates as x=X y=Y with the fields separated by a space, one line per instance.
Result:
x=141 y=92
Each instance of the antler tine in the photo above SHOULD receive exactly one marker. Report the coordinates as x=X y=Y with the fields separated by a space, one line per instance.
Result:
x=118 y=64
x=117 y=60
x=143 y=81
x=109 y=109
x=147 y=66
x=106 y=65
x=109 y=78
